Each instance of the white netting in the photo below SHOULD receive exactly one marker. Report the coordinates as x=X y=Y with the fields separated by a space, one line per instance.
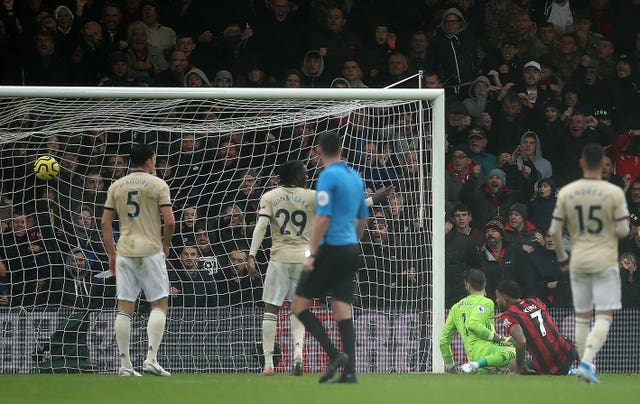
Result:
x=218 y=157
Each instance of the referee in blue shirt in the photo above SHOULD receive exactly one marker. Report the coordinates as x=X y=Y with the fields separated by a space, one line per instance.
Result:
x=334 y=256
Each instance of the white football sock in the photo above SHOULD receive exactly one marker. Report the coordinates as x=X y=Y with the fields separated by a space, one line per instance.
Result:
x=597 y=337
x=582 y=331
x=155 y=331
x=122 y=327
x=297 y=334
x=268 y=337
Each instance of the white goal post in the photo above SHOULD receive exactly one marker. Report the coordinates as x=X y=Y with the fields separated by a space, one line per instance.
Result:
x=431 y=150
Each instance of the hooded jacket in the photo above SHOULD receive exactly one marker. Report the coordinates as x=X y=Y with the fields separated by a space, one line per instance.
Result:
x=452 y=56
x=77 y=286
x=543 y=166
x=476 y=105
x=199 y=73
x=313 y=79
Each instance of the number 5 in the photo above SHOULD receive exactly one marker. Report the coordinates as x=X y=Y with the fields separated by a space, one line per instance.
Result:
x=131 y=202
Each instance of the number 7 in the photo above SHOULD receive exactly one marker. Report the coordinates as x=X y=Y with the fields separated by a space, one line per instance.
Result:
x=538 y=315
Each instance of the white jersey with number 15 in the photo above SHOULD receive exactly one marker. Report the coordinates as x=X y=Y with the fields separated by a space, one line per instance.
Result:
x=591 y=209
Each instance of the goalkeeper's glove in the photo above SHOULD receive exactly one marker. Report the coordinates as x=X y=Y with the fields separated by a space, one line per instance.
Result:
x=451 y=368
x=498 y=339
x=506 y=341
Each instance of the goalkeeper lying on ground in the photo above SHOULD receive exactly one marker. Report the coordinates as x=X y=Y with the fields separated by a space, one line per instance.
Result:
x=472 y=318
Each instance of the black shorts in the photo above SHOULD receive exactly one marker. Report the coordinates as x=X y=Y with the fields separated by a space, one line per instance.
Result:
x=333 y=274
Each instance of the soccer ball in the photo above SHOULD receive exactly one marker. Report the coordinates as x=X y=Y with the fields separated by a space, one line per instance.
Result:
x=46 y=168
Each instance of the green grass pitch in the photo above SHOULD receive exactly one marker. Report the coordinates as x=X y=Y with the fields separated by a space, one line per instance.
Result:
x=249 y=388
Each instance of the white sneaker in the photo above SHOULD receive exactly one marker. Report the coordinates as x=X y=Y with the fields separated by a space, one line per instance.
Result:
x=126 y=372
x=469 y=367
x=154 y=369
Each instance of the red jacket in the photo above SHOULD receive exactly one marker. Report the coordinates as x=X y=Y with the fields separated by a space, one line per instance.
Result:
x=623 y=162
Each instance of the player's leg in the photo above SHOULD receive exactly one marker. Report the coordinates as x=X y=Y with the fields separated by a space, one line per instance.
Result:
x=275 y=289
x=128 y=290
x=300 y=308
x=581 y=291
x=155 y=284
x=497 y=357
x=342 y=312
x=606 y=298
x=310 y=285
x=344 y=264
x=269 y=329
x=297 y=328
x=493 y=356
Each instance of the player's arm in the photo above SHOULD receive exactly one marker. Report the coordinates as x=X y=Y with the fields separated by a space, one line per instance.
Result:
x=360 y=226
x=622 y=227
x=169 y=227
x=556 y=234
x=256 y=240
x=320 y=225
x=106 y=223
x=476 y=323
x=363 y=215
x=555 y=230
x=520 y=343
x=621 y=215
x=448 y=332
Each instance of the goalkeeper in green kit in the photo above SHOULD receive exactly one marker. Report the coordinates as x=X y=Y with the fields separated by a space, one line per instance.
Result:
x=472 y=318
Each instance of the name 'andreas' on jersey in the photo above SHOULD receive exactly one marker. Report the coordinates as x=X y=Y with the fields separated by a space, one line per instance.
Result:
x=293 y=210
x=591 y=209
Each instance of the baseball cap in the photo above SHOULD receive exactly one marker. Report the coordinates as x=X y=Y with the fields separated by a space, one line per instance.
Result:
x=511 y=41
x=533 y=64
x=476 y=132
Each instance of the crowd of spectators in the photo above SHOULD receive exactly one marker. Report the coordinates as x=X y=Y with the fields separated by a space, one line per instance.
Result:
x=528 y=84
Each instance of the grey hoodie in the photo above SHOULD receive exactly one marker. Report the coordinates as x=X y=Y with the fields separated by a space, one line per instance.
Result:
x=476 y=105
x=543 y=166
x=199 y=73
x=304 y=64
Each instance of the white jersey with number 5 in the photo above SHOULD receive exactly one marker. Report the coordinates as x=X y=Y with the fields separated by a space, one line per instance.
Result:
x=291 y=211
x=591 y=209
x=137 y=199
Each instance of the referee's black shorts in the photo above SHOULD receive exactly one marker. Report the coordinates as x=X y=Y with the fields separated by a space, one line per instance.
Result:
x=333 y=274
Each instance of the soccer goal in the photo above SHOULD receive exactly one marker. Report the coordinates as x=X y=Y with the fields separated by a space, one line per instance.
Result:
x=219 y=150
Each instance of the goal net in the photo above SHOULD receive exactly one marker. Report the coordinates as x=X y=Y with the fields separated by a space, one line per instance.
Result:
x=219 y=151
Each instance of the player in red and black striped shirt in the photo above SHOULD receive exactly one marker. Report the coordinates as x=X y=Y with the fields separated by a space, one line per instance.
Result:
x=533 y=329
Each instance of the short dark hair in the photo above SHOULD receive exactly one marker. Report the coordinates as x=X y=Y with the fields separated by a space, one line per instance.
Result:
x=592 y=154
x=289 y=171
x=185 y=34
x=509 y=288
x=476 y=279
x=459 y=207
x=330 y=143
x=140 y=153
